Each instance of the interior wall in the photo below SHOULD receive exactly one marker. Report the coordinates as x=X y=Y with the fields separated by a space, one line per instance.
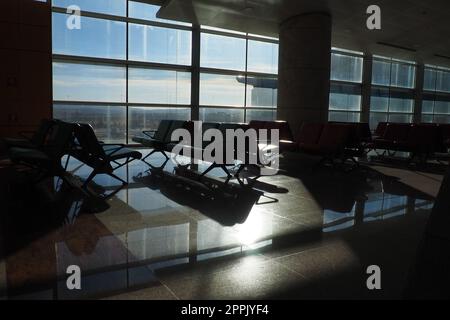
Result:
x=25 y=64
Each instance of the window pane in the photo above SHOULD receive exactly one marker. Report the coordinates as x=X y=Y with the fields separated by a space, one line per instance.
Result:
x=144 y=11
x=429 y=80
x=97 y=38
x=261 y=92
x=428 y=118
x=221 y=90
x=221 y=115
x=401 y=105
x=376 y=117
x=381 y=71
x=403 y=118
x=403 y=75
x=159 y=86
x=346 y=68
x=88 y=82
x=427 y=106
x=345 y=102
x=160 y=45
x=441 y=119
x=394 y=74
x=262 y=57
x=344 y=116
x=108 y=121
x=222 y=52
x=379 y=100
x=345 y=97
x=140 y=119
x=442 y=107
x=443 y=81
x=113 y=7
x=265 y=115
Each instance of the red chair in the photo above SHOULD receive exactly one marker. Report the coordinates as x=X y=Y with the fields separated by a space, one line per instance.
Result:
x=379 y=131
x=309 y=133
x=331 y=144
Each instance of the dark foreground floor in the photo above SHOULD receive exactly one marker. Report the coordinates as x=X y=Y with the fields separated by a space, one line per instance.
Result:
x=313 y=236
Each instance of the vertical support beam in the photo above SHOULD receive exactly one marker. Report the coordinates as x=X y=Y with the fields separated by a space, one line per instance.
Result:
x=127 y=84
x=304 y=69
x=410 y=205
x=418 y=94
x=193 y=250
x=359 y=212
x=366 y=88
x=195 y=80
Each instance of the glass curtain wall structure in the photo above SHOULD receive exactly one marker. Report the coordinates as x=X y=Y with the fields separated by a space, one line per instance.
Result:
x=345 y=87
x=238 y=76
x=393 y=84
x=436 y=95
x=124 y=70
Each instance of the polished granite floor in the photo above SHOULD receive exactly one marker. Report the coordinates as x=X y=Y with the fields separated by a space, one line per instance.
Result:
x=306 y=232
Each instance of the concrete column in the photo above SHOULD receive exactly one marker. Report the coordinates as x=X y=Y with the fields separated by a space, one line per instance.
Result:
x=418 y=93
x=304 y=69
x=366 y=88
x=195 y=80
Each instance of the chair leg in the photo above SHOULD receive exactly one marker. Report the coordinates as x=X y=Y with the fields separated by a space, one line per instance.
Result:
x=238 y=172
x=152 y=152
x=67 y=163
x=211 y=167
x=229 y=175
x=89 y=179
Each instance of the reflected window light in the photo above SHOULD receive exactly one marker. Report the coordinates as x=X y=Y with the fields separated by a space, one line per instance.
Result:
x=254 y=228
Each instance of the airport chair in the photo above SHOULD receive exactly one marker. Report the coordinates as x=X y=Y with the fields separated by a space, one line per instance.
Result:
x=36 y=140
x=102 y=158
x=46 y=160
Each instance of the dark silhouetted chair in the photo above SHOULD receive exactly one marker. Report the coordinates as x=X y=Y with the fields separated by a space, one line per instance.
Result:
x=331 y=144
x=309 y=133
x=47 y=158
x=159 y=139
x=36 y=140
x=393 y=134
x=100 y=157
x=380 y=129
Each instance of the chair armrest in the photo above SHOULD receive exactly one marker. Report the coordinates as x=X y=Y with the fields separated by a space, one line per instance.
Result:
x=149 y=133
x=25 y=134
x=113 y=144
x=119 y=147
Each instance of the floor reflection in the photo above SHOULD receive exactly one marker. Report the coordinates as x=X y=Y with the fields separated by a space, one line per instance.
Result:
x=154 y=225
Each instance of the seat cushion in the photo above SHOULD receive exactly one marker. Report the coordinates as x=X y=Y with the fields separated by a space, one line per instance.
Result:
x=122 y=153
x=149 y=142
x=28 y=155
x=19 y=143
x=397 y=131
x=334 y=137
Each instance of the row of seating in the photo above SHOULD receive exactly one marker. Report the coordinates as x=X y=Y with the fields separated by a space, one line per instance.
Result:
x=160 y=140
x=331 y=141
x=334 y=140
x=44 y=151
x=422 y=140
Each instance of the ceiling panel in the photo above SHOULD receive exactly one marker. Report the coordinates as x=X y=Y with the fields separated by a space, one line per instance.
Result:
x=417 y=24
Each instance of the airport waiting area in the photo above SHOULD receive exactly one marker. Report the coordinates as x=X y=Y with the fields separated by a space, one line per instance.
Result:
x=173 y=150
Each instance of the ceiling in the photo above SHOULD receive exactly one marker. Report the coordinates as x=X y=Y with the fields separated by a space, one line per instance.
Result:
x=419 y=29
